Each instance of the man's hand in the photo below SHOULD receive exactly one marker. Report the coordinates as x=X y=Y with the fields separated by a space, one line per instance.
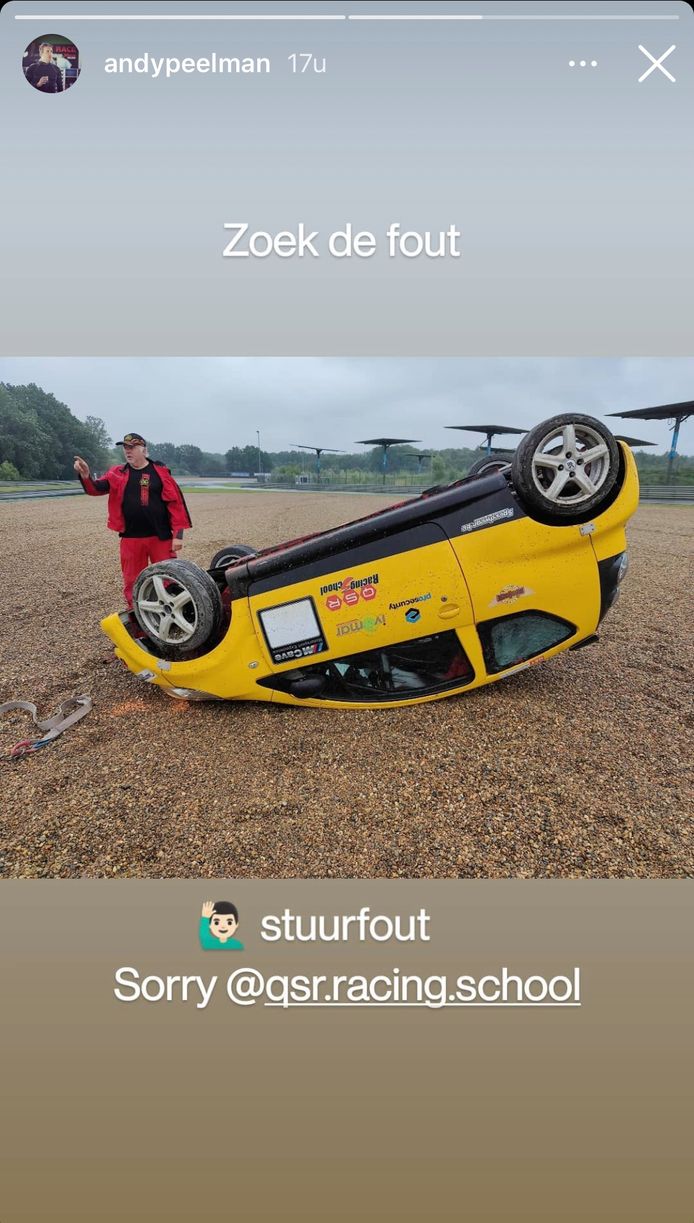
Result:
x=81 y=467
x=42 y=82
x=176 y=545
x=207 y=909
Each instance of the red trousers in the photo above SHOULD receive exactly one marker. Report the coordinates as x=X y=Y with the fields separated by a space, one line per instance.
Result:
x=136 y=555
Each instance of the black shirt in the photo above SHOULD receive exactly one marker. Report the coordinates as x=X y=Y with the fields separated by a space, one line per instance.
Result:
x=143 y=509
x=36 y=71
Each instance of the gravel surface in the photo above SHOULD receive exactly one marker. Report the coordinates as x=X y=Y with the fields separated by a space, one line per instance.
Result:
x=573 y=768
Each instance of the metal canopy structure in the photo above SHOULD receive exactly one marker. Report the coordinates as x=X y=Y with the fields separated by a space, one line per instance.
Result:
x=633 y=441
x=319 y=450
x=676 y=412
x=489 y=432
x=386 y=443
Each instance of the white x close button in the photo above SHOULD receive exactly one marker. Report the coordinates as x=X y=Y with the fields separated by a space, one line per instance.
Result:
x=657 y=63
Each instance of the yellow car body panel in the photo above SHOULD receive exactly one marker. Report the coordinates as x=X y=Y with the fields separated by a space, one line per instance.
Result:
x=532 y=566
x=437 y=580
x=609 y=537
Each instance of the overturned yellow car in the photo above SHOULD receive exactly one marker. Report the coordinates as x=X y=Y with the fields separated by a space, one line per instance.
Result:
x=456 y=588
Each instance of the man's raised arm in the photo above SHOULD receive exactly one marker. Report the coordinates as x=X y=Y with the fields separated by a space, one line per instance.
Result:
x=95 y=488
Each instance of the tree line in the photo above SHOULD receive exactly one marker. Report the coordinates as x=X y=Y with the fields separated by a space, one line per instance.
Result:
x=39 y=437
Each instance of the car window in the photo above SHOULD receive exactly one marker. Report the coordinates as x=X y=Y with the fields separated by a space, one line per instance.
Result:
x=410 y=668
x=512 y=639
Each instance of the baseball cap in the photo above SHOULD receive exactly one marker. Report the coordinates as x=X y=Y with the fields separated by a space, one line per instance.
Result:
x=132 y=439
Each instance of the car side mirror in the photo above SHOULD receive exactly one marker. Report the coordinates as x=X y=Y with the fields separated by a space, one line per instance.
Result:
x=308 y=685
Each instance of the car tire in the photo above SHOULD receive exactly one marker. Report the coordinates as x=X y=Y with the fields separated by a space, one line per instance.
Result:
x=566 y=469
x=178 y=606
x=233 y=552
x=490 y=463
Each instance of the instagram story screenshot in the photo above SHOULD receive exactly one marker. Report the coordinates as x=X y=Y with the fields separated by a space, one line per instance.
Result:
x=346 y=522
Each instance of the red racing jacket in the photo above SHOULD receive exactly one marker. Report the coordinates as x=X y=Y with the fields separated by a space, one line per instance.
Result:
x=114 y=482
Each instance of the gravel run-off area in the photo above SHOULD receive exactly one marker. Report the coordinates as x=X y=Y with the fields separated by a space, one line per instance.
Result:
x=575 y=768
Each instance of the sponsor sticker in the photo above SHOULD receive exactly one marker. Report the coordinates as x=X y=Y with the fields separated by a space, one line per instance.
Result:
x=413 y=615
x=349 y=590
x=487 y=520
x=368 y=624
x=510 y=594
x=303 y=649
x=408 y=602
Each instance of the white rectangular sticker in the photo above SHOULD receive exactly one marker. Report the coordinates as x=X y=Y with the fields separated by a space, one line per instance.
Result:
x=290 y=624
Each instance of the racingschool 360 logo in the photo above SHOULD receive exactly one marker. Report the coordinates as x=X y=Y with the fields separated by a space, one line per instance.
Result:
x=349 y=590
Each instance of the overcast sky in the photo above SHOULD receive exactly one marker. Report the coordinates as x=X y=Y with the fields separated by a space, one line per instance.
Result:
x=220 y=402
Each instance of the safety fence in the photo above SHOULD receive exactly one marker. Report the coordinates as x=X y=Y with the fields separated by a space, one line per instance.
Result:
x=675 y=493
x=678 y=493
x=667 y=492
x=17 y=491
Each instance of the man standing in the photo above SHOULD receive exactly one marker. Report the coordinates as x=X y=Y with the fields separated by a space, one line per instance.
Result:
x=145 y=506
x=43 y=74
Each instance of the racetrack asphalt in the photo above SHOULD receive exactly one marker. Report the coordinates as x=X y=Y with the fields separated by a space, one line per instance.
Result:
x=574 y=768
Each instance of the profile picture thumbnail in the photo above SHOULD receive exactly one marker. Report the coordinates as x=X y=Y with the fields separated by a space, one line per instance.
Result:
x=51 y=63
